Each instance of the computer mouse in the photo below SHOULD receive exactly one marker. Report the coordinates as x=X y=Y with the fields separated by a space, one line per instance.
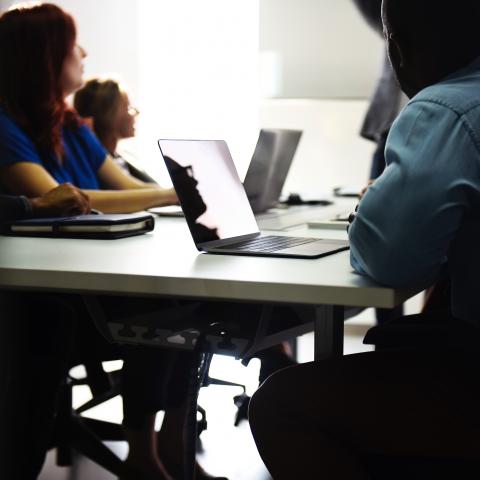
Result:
x=294 y=199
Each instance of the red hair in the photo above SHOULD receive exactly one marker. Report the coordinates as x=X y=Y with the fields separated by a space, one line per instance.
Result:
x=34 y=44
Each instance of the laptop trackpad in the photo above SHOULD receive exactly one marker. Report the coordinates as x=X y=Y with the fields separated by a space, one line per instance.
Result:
x=320 y=248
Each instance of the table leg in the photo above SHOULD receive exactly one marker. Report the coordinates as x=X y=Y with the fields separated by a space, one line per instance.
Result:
x=329 y=321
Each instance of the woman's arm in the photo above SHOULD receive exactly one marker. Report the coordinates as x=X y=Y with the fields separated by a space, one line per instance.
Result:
x=128 y=201
x=136 y=195
x=26 y=178
x=113 y=177
x=32 y=180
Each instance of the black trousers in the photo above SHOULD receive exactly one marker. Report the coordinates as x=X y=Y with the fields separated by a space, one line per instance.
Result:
x=43 y=336
x=37 y=338
x=153 y=379
x=344 y=418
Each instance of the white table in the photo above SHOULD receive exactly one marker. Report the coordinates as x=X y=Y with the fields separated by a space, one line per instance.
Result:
x=165 y=263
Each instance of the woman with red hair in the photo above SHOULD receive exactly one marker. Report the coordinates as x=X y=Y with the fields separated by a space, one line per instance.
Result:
x=42 y=141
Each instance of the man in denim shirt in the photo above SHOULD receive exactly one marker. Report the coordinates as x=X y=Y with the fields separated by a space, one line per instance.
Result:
x=413 y=409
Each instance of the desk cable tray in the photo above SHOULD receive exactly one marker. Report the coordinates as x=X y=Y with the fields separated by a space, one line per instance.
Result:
x=179 y=327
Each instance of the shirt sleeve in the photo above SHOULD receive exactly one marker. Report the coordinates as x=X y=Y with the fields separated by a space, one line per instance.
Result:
x=15 y=145
x=409 y=217
x=14 y=208
x=97 y=153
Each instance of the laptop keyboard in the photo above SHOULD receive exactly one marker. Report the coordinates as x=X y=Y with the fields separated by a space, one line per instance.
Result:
x=268 y=243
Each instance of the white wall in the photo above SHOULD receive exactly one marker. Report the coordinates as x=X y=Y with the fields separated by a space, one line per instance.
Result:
x=107 y=29
x=319 y=64
x=198 y=72
x=317 y=49
x=331 y=152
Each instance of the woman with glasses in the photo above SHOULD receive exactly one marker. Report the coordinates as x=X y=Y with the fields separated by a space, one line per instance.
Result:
x=105 y=104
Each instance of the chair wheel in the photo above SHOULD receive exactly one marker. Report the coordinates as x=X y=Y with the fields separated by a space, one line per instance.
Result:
x=201 y=426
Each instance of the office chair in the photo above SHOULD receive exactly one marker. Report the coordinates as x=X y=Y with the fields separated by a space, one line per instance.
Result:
x=73 y=432
x=204 y=333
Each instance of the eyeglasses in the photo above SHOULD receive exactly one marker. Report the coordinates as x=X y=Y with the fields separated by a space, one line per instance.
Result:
x=133 y=111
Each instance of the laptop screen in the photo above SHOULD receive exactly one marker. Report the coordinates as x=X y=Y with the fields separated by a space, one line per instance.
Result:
x=269 y=167
x=210 y=192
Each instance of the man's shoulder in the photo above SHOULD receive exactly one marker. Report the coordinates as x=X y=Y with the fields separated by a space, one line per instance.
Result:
x=459 y=93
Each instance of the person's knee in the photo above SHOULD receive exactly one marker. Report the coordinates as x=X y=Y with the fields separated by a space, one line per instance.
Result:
x=269 y=401
x=300 y=390
x=258 y=411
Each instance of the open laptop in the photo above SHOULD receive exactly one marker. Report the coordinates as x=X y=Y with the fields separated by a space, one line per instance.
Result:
x=266 y=173
x=269 y=167
x=217 y=209
x=266 y=177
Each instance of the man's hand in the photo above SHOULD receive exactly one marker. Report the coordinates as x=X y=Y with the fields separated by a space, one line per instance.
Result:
x=365 y=190
x=353 y=215
x=65 y=200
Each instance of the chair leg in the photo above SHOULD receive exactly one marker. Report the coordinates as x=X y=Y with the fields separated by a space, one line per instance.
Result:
x=63 y=434
x=88 y=444
x=105 y=430
x=224 y=383
x=197 y=377
x=97 y=400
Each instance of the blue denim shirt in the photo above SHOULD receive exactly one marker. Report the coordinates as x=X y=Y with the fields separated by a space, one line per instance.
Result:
x=409 y=218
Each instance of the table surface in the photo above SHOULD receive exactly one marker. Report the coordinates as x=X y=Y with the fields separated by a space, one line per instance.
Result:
x=166 y=263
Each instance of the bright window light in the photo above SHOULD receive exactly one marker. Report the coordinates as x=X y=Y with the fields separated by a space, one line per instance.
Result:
x=198 y=74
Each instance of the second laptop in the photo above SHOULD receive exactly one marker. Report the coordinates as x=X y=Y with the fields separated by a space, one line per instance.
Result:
x=217 y=209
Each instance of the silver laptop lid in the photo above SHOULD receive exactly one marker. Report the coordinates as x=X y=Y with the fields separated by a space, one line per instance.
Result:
x=209 y=189
x=269 y=167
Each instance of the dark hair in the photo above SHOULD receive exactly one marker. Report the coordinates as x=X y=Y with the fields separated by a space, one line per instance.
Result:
x=372 y=12
x=447 y=31
x=34 y=43
x=98 y=99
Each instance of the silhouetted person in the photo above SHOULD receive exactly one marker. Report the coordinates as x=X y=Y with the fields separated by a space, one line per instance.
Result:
x=415 y=402
x=192 y=202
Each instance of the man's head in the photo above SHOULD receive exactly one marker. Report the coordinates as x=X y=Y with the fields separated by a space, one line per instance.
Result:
x=430 y=39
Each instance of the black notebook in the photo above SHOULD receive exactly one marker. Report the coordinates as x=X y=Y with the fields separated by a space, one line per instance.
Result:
x=82 y=226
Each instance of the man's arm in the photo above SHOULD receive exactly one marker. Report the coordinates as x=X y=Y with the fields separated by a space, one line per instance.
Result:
x=408 y=218
x=64 y=200
x=14 y=208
